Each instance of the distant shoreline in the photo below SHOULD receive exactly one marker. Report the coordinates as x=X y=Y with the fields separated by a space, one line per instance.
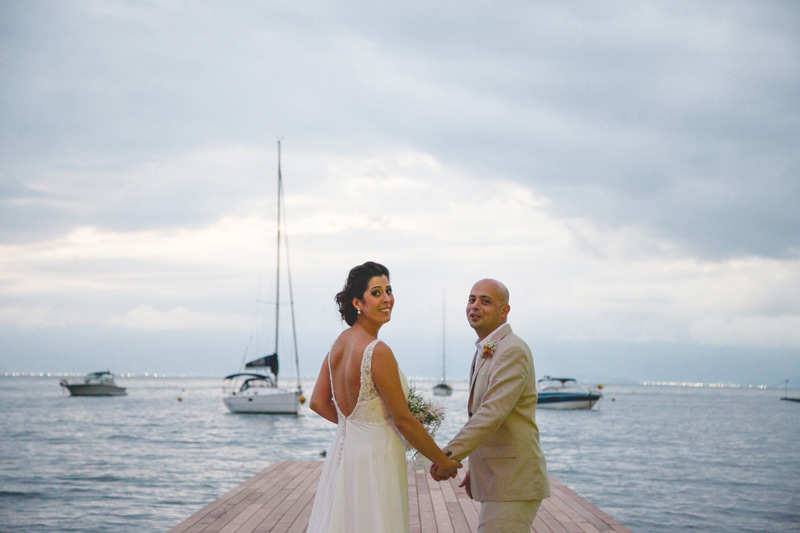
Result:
x=648 y=383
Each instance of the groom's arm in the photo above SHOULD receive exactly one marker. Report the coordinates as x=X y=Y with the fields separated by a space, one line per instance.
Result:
x=507 y=382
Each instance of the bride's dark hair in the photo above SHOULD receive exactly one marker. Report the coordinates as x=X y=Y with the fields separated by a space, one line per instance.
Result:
x=355 y=287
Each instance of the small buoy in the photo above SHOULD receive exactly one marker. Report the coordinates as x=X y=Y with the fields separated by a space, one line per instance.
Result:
x=613 y=399
x=599 y=385
x=180 y=399
x=302 y=400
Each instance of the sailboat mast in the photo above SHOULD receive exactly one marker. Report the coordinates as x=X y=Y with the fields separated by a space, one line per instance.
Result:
x=291 y=306
x=288 y=273
x=444 y=333
x=278 y=255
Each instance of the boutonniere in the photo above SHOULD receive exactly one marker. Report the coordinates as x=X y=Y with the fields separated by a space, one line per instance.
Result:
x=488 y=349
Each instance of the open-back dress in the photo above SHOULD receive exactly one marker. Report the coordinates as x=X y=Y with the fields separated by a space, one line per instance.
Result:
x=363 y=487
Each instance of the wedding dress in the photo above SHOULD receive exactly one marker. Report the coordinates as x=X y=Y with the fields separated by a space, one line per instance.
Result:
x=363 y=487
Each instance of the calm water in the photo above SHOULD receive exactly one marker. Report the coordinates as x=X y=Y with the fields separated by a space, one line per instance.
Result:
x=656 y=458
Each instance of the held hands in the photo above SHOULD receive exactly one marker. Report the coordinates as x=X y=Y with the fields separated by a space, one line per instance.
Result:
x=446 y=471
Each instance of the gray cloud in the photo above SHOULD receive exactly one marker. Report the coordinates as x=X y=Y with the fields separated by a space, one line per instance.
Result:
x=680 y=116
x=677 y=121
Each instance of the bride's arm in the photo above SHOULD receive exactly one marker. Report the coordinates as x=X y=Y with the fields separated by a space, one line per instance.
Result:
x=387 y=380
x=322 y=397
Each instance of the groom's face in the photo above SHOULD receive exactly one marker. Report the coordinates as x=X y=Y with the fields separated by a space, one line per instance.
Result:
x=486 y=308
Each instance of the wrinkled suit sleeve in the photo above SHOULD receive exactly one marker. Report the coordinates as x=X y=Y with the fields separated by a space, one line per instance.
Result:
x=509 y=375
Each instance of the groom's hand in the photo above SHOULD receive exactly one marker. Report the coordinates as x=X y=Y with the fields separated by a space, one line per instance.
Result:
x=435 y=473
x=441 y=474
x=465 y=484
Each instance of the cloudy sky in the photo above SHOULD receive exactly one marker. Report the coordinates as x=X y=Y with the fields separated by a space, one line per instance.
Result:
x=629 y=170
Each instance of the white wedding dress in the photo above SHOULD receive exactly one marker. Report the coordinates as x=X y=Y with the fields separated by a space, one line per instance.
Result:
x=363 y=487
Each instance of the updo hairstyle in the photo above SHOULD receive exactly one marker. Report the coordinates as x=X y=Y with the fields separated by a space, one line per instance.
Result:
x=355 y=287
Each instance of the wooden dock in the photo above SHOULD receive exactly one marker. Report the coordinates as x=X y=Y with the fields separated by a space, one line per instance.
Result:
x=279 y=499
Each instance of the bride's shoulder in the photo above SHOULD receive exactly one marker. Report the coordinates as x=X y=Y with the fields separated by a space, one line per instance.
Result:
x=381 y=353
x=338 y=345
x=352 y=344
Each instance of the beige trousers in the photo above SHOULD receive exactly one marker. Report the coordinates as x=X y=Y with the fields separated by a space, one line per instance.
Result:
x=507 y=517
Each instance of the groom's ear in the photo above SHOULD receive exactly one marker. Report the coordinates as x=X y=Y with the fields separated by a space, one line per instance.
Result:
x=506 y=309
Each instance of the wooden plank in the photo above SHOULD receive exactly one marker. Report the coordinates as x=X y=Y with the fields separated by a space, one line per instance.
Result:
x=427 y=518
x=454 y=509
x=267 y=494
x=596 y=516
x=264 y=490
x=272 y=512
x=440 y=512
x=279 y=499
x=211 y=512
x=468 y=506
x=300 y=498
x=300 y=524
x=545 y=522
x=414 y=525
x=599 y=520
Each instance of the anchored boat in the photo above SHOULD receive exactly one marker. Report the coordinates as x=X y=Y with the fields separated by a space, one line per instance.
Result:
x=786 y=395
x=562 y=393
x=94 y=384
x=443 y=388
x=257 y=392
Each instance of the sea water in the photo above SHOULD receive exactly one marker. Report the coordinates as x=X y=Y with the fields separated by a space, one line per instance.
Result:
x=656 y=458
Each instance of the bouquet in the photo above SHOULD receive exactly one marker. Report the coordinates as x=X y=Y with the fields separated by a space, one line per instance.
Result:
x=430 y=414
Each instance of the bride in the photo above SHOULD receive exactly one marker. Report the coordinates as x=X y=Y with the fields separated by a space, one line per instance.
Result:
x=363 y=487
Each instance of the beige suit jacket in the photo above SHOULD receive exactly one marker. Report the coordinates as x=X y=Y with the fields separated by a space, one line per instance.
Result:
x=501 y=437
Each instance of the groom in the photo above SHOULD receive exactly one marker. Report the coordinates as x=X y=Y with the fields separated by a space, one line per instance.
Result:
x=507 y=471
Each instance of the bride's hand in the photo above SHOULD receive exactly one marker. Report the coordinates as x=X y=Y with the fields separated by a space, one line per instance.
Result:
x=447 y=470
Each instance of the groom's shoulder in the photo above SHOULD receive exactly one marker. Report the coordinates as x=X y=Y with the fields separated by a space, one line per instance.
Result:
x=511 y=340
x=507 y=335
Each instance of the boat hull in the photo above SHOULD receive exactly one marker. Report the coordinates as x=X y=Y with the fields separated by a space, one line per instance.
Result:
x=95 y=390
x=442 y=389
x=567 y=400
x=264 y=401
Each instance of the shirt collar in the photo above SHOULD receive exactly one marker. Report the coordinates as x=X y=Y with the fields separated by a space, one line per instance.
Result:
x=487 y=338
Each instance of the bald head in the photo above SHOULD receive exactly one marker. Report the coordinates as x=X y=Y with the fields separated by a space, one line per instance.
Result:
x=487 y=307
x=501 y=291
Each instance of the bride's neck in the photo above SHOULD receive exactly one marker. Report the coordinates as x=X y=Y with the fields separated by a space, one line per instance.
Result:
x=368 y=328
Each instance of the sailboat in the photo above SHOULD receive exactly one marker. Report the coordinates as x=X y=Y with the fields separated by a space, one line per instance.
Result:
x=442 y=388
x=786 y=394
x=257 y=391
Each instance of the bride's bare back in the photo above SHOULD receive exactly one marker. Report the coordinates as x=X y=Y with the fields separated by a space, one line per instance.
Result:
x=345 y=359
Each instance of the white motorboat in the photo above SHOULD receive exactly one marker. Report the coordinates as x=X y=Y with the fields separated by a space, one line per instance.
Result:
x=94 y=384
x=443 y=388
x=562 y=393
x=255 y=392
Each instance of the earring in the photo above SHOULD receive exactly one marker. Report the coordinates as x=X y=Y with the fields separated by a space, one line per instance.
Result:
x=359 y=311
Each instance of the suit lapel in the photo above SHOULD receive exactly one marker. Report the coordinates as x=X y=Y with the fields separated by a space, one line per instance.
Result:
x=472 y=375
x=480 y=361
x=478 y=364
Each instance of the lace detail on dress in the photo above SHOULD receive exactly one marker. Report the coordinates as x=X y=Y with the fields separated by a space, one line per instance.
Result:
x=370 y=406
x=368 y=390
x=363 y=482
